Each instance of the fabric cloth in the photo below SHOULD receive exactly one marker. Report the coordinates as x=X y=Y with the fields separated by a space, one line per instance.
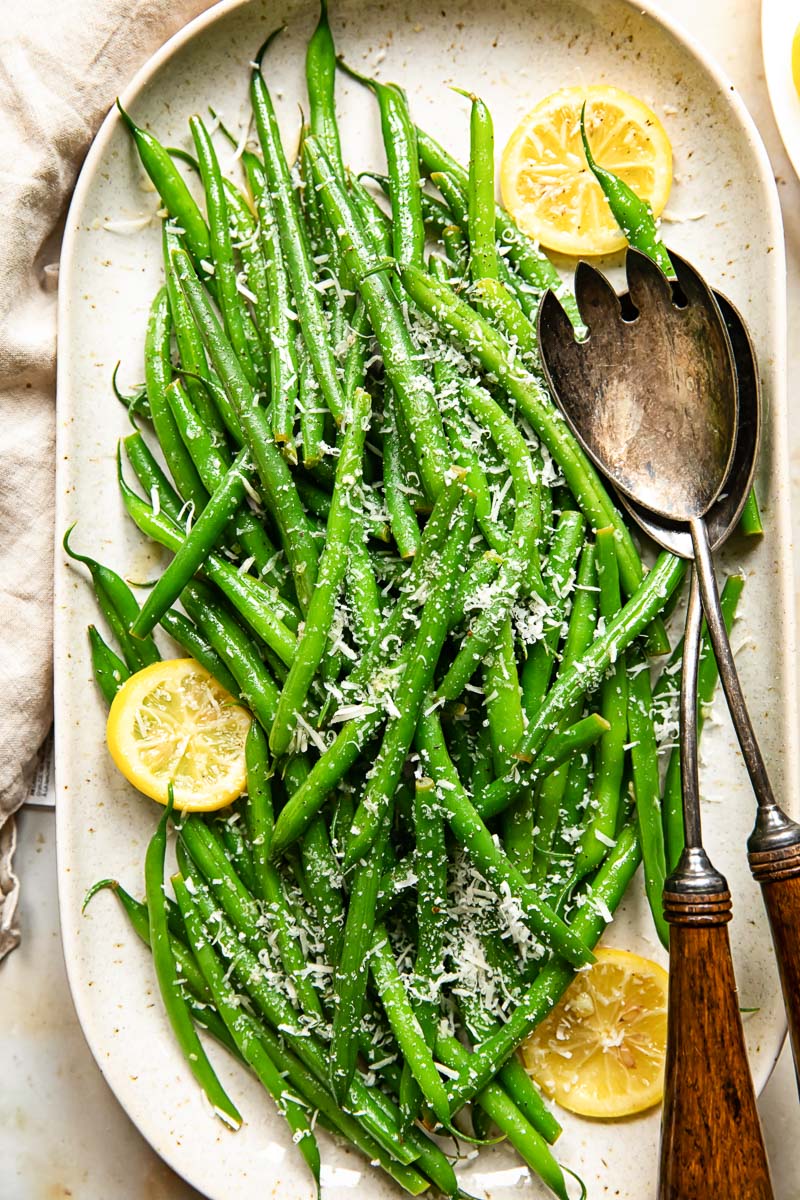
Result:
x=62 y=63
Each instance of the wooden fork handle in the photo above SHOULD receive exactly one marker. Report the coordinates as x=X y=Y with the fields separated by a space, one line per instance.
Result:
x=711 y=1142
x=778 y=872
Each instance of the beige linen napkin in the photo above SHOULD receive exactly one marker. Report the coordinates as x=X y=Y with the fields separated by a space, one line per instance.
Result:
x=62 y=62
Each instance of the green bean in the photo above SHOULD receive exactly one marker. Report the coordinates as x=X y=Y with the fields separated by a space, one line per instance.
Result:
x=403 y=1021
x=538 y=666
x=255 y=601
x=190 y=345
x=228 y=296
x=247 y=1042
x=456 y=248
x=178 y=200
x=633 y=215
x=523 y=1136
x=362 y=590
x=109 y=670
x=400 y=144
x=503 y=700
x=228 y=828
x=707 y=677
x=411 y=386
x=212 y=462
x=160 y=491
x=255 y=685
x=320 y=82
x=470 y=830
x=451 y=401
x=293 y=243
x=284 y=358
x=136 y=912
x=483 y=254
x=279 y=490
x=204 y=535
x=119 y=607
x=332 y=564
x=324 y=878
x=402 y=518
x=430 y=861
x=352 y=967
x=187 y=635
x=166 y=975
x=750 y=521
x=561 y=746
x=411 y=693
x=312 y=417
x=644 y=763
x=520 y=568
x=158 y=375
x=602 y=898
x=610 y=762
x=377 y=225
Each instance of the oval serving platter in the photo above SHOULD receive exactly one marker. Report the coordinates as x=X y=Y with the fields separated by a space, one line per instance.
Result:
x=723 y=215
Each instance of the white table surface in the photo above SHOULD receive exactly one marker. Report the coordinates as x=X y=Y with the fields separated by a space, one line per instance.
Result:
x=62 y=1133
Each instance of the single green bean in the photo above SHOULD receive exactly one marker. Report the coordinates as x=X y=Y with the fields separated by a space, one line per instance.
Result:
x=610 y=756
x=119 y=607
x=188 y=636
x=167 y=977
x=109 y=670
x=197 y=544
x=644 y=763
x=178 y=200
x=158 y=375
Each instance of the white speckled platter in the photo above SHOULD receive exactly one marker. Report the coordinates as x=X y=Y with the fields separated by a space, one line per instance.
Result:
x=725 y=217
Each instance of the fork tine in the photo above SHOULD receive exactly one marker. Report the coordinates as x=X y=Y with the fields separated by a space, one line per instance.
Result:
x=597 y=300
x=647 y=284
x=554 y=326
x=693 y=286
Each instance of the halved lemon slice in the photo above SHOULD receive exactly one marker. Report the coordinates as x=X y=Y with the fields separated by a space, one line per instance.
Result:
x=172 y=721
x=796 y=60
x=601 y=1051
x=547 y=184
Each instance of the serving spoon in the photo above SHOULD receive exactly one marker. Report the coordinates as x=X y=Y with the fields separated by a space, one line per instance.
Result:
x=649 y=369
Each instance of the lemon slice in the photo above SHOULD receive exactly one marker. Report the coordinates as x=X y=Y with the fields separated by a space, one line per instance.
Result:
x=173 y=721
x=547 y=185
x=601 y=1051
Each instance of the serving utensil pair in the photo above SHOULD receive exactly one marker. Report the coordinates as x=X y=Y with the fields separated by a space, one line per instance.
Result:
x=663 y=395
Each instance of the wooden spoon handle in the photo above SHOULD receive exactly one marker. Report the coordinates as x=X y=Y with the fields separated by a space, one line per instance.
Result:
x=711 y=1143
x=778 y=872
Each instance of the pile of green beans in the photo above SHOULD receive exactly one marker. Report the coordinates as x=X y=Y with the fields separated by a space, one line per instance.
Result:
x=387 y=545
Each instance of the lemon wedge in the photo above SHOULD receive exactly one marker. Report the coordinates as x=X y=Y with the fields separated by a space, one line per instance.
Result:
x=600 y=1052
x=172 y=721
x=547 y=185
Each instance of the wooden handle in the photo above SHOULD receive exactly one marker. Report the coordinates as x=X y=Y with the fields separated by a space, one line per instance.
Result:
x=711 y=1143
x=778 y=872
